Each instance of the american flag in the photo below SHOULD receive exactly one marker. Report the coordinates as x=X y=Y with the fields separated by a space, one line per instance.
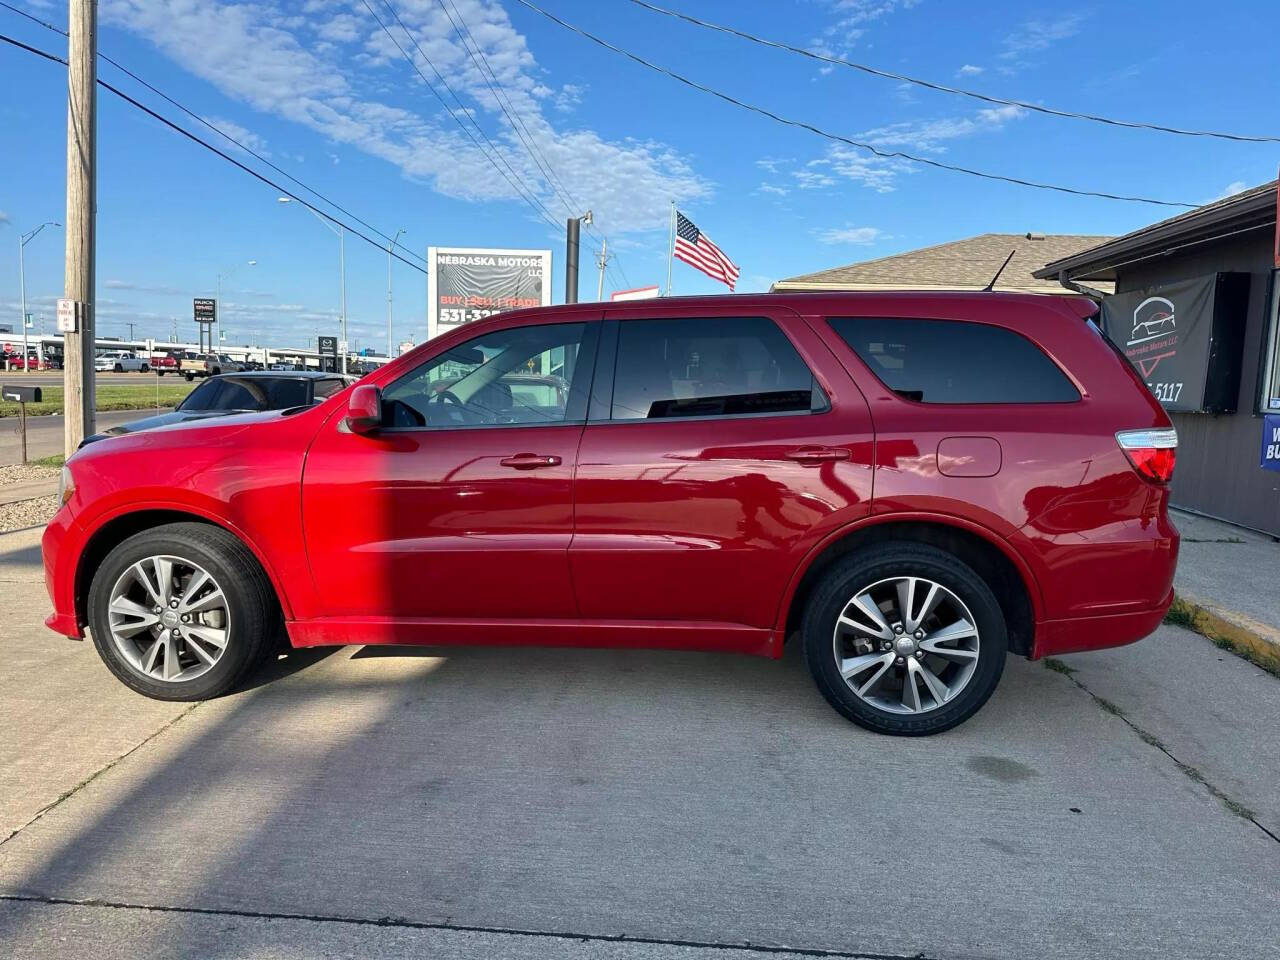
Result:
x=696 y=249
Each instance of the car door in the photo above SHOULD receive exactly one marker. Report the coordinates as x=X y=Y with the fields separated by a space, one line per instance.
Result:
x=460 y=507
x=720 y=448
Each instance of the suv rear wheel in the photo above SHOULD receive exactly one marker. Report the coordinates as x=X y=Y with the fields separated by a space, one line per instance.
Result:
x=904 y=638
x=181 y=612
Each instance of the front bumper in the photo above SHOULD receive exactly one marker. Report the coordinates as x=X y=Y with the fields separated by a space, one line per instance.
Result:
x=60 y=576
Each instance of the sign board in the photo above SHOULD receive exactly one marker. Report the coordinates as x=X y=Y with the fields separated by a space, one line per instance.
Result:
x=405 y=346
x=468 y=283
x=151 y=345
x=69 y=312
x=30 y=323
x=342 y=346
x=204 y=310
x=1271 y=441
x=1185 y=338
x=639 y=293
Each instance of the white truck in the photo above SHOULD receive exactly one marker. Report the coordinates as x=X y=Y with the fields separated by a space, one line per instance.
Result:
x=120 y=361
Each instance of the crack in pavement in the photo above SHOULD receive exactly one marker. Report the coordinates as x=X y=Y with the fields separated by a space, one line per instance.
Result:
x=1232 y=805
x=445 y=925
x=67 y=795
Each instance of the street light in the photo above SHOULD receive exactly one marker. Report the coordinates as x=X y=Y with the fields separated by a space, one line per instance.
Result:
x=225 y=272
x=342 y=269
x=390 y=246
x=23 y=240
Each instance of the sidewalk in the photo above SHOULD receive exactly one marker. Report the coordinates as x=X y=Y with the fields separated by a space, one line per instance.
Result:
x=1226 y=576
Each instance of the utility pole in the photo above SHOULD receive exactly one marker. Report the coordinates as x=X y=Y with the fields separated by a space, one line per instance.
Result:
x=573 y=234
x=601 y=261
x=82 y=173
x=390 y=334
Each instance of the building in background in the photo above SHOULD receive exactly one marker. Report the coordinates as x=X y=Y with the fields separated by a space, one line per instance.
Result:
x=1195 y=309
x=959 y=265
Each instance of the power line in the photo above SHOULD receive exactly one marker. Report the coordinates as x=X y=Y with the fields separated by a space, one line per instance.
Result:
x=524 y=192
x=515 y=117
x=870 y=148
x=216 y=129
x=222 y=153
x=943 y=88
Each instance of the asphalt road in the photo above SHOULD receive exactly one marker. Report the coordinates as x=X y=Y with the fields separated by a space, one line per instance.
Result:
x=569 y=803
x=44 y=434
x=53 y=378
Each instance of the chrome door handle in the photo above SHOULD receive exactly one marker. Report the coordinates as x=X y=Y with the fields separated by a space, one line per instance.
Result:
x=530 y=461
x=814 y=456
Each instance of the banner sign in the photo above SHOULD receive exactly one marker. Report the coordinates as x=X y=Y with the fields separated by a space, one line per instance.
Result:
x=1166 y=331
x=467 y=283
x=1271 y=442
x=204 y=310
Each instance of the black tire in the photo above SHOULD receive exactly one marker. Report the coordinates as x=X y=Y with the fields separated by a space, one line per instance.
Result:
x=145 y=369
x=252 y=604
x=159 y=373
x=117 y=369
x=217 y=371
x=855 y=573
x=190 y=377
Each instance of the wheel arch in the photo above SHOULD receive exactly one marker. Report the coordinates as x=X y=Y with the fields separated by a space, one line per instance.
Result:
x=114 y=530
x=992 y=557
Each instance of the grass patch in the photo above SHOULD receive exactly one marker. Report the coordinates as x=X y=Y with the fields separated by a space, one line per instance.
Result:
x=1181 y=614
x=112 y=397
x=57 y=460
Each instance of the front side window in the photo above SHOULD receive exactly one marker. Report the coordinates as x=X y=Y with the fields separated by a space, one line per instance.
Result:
x=709 y=367
x=954 y=361
x=506 y=377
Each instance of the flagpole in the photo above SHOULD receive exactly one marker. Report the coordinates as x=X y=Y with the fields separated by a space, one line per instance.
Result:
x=671 y=245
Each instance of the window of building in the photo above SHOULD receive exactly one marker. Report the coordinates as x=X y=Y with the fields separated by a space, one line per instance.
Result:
x=952 y=361
x=521 y=375
x=1269 y=402
x=709 y=367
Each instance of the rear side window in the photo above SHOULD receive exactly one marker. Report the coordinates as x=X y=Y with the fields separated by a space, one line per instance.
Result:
x=709 y=367
x=951 y=361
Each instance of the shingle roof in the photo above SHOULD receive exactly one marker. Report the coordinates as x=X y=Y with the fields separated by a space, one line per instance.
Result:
x=959 y=265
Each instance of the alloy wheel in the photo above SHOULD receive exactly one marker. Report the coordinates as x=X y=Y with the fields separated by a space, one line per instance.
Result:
x=906 y=645
x=169 y=619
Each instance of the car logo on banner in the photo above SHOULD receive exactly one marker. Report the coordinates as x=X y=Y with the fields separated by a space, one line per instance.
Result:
x=1153 y=318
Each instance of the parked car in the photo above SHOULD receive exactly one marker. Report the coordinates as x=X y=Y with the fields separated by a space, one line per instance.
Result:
x=195 y=365
x=165 y=361
x=120 y=361
x=230 y=393
x=910 y=486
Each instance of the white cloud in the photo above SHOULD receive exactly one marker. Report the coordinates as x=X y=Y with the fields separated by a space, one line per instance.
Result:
x=810 y=178
x=850 y=235
x=342 y=78
x=772 y=188
x=1035 y=36
x=969 y=70
x=4 y=218
x=1231 y=189
x=240 y=135
x=772 y=163
x=853 y=19
x=569 y=97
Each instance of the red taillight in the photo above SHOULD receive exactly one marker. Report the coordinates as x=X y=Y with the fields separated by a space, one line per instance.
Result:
x=1152 y=452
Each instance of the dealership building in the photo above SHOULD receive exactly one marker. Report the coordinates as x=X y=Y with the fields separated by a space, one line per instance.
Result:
x=1195 y=308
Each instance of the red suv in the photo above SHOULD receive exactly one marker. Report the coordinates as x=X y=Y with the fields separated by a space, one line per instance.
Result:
x=908 y=485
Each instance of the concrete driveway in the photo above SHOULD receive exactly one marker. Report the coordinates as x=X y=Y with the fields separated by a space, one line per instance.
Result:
x=533 y=803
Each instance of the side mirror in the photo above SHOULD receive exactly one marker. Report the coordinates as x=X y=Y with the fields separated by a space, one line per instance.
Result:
x=364 y=409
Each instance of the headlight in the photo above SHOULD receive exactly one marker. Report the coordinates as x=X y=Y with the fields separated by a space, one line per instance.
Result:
x=66 y=486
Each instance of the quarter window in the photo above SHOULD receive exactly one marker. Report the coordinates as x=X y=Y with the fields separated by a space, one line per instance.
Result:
x=953 y=361
x=1270 y=399
x=709 y=367
x=521 y=375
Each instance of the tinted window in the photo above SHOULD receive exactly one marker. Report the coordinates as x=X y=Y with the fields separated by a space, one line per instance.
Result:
x=328 y=387
x=202 y=397
x=485 y=381
x=949 y=361
x=707 y=367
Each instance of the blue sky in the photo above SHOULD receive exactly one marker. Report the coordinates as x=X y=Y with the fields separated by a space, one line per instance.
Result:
x=317 y=86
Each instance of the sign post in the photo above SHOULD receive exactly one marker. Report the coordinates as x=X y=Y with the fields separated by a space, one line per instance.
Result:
x=468 y=283
x=328 y=347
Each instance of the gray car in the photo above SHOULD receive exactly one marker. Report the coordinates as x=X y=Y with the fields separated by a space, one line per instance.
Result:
x=249 y=392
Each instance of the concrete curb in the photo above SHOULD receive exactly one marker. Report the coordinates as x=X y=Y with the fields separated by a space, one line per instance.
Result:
x=1229 y=629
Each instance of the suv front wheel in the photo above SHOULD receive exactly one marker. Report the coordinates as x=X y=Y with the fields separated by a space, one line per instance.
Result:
x=181 y=612
x=905 y=639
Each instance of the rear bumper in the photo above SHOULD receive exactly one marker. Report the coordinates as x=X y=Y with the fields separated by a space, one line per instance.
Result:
x=1097 y=633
